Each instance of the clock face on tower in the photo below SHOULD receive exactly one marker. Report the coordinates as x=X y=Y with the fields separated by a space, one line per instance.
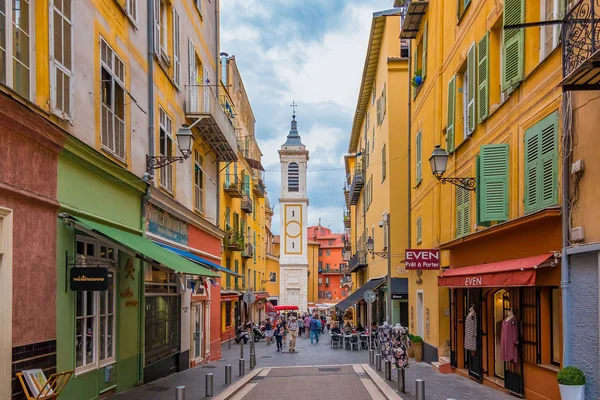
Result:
x=293 y=229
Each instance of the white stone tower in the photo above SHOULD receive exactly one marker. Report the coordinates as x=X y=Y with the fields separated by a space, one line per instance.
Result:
x=293 y=260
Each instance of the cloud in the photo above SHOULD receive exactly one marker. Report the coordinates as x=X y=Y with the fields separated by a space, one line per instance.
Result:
x=313 y=52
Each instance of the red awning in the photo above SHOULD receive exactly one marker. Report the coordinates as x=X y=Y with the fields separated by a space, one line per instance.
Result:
x=261 y=295
x=285 y=308
x=511 y=273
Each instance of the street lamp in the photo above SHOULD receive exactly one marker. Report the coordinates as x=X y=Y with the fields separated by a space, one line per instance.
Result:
x=371 y=247
x=439 y=161
x=184 y=142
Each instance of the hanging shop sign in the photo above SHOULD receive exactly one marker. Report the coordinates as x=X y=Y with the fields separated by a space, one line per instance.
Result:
x=422 y=259
x=94 y=279
x=163 y=224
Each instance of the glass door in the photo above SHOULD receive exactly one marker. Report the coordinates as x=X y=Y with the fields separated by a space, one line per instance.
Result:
x=498 y=318
x=198 y=329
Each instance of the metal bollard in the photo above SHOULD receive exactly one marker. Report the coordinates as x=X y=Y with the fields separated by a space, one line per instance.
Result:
x=180 y=393
x=209 y=386
x=401 y=382
x=228 y=374
x=420 y=386
x=242 y=367
x=378 y=362
x=252 y=361
x=371 y=357
x=388 y=370
x=229 y=342
x=242 y=349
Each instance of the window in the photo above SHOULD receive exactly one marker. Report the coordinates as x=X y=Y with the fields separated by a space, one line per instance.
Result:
x=15 y=50
x=320 y=281
x=424 y=52
x=112 y=77
x=367 y=157
x=132 y=10
x=176 y=50
x=483 y=71
x=383 y=163
x=293 y=177
x=160 y=30
x=373 y=94
x=166 y=149
x=228 y=314
x=328 y=252
x=228 y=276
x=463 y=211
x=381 y=106
x=450 y=108
x=199 y=182
x=461 y=7
x=327 y=278
x=95 y=328
x=492 y=201
x=513 y=44
x=418 y=145
x=254 y=252
x=373 y=141
x=237 y=271
x=320 y=252
x=541 y=164
x=273 y=277
x=549 y=34
x=469 y=93
x=320 y=264
x=198 y=4
x=61 y=57
x=330 y=242
x=419 y=230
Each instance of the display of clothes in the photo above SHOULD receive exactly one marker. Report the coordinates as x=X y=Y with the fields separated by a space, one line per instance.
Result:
x=394 y=344
x=471 y=330
x=509 y=339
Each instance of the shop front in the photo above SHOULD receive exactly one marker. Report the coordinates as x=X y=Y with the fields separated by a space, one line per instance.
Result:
x=258 y=307
x=231 y=313
x=505 y=313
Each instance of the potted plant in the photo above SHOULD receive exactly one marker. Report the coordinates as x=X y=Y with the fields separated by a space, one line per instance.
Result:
x=417 y=344
x=417 y=80
x=411 y=350
x=571 y=382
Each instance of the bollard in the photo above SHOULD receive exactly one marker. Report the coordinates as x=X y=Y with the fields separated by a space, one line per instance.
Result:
x=371 y=357
x=378 y=362
x=388 y=370
x=209 y=386
x=228 y=374
x=241 y=349
x=242 y=367
x=252 y=361
x=420 y=385
x=401 y=384
x=229 y=342
x=180 y=393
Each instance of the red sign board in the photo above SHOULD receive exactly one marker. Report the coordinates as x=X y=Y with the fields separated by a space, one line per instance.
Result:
x=424 y=259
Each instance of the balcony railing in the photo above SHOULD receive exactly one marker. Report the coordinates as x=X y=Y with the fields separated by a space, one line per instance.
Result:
x=248 y=251
x=233 y=186
x=581 y=42
x=358 y=181
x=233 y=241
x=259 y=188
x=215 y=127
x=347 y=221
x=357 y=261
x=247 y=204
x=332 y=271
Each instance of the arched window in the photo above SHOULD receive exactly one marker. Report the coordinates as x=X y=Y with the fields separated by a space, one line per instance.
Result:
x=293 y=177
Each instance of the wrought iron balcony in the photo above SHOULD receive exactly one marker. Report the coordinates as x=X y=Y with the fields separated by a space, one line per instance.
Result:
x=247 y=204
x=332 y=271
x=259 y=188
x=233 y=187
x=358 y=261
x=347 y=221
x=358 y=181
x=211 y=118
x=233 y=241
x=248 y=251
x=581 y=45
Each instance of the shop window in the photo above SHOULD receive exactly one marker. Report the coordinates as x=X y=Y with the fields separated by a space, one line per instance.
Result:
x=198 y=182
x=166 y=149
x=61 y=53
x=228 y=314
x=530 y=320
x=112 y=75
x=95 y=329
x=555 y=326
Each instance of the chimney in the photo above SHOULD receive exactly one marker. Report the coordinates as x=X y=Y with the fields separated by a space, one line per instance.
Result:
x=224 y=68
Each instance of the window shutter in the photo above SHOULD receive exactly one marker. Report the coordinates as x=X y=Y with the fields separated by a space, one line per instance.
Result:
x=176 y=50
x=383 y=163
x=548 y=167
x=379 y=111
x=483 y=69
x=479 y=194
x=415 y=68
x=513 y=42
x=463 y=218
x=531 y=168
x=192 y=73
x=471 y=68
x=450 y=123
x=157 y=27
x=424 y=61
x=466 y=2
x=61 y=60
x=494 y=182
x=419 y=230
x=419 y=174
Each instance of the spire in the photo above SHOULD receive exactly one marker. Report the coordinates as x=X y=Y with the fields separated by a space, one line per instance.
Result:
x=293 y=138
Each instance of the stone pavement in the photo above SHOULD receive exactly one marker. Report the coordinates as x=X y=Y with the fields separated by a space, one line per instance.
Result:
x=438 y=386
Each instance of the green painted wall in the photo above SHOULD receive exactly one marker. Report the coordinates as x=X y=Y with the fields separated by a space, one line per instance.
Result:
x=90 y=189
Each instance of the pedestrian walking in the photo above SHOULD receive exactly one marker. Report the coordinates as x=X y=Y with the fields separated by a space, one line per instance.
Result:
x=284 y=324
x=279 y=336
x=300 y=326
x=293 y=328
x=307 y=324
x=315 y=328
x=268 y=331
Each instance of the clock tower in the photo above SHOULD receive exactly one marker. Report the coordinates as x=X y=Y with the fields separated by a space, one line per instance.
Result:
x=293 y=259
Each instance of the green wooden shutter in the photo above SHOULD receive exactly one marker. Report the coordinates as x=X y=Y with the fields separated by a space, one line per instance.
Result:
x=494 y=182
x=466 y=2
x=463 y=211
x=483 y=71
x=532 y=157
x=450 y=122
x=513 y=43
x=227 y=179
x=419 y=174
x=472 y=76
x=479 y=194
x=424 y=60
x=415 y=68
x=548 y=168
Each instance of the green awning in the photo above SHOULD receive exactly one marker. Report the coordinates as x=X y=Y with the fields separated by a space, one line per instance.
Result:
x=145 y=247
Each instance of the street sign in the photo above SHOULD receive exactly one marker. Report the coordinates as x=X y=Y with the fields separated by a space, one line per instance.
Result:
x=369 y=296
x=249 y=297
x=423 y=259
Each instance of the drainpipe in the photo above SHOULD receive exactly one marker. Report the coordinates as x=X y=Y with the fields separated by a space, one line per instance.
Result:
x=564 y=265
x=408 y=243
x=217 y=44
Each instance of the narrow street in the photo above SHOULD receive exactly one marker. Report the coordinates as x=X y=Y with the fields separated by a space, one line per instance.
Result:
x=328 y=371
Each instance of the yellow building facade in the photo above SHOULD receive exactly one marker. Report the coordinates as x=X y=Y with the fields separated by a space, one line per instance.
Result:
x=376 y=183
x=488 y=96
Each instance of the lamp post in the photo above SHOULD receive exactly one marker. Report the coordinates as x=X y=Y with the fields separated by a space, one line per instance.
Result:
x=184 y=142
x=385 y=254
x=439 y=161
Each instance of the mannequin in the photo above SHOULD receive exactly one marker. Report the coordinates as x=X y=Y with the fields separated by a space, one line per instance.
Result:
x=509 y=339
x=471 y=329
x=509 y=315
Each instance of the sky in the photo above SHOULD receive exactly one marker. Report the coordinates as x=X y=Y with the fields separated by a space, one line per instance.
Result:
x=312 y=52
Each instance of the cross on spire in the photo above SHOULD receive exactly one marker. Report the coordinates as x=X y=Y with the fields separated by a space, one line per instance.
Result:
x=294 y=105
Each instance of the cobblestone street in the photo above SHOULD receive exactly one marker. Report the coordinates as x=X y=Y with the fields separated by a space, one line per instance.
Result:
x=438 y=386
